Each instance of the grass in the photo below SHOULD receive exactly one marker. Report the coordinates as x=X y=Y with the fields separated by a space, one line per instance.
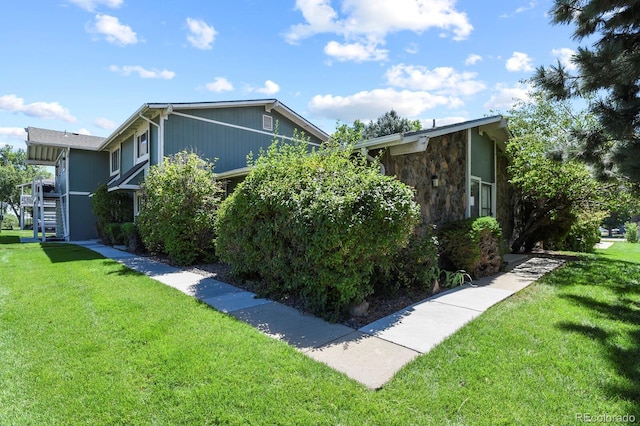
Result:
x=84 y=340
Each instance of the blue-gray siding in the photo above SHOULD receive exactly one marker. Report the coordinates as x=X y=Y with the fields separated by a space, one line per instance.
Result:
x=229 y=146
x=87 y=170
x=82 y=222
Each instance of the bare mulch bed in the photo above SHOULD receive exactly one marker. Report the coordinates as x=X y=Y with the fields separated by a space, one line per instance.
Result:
x=379 y=306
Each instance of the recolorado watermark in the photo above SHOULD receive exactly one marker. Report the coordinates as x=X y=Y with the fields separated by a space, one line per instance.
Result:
x=605 y=418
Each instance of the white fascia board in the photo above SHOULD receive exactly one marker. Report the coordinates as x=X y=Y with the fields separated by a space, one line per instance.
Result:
x=128 y=187
x=381 y=142
x=123 y=127
x=242 y=171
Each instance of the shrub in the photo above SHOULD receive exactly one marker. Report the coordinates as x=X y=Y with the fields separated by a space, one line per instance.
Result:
x=132 y=237
x=177 y=216
x=314 y=225
x=471 y=245
x=10 y=221
x=415 y=265
x=109 y=208
x=582 y=236
x=113 y=234
x=631 y=232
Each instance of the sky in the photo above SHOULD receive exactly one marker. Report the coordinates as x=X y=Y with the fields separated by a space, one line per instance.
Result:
x=85 y=66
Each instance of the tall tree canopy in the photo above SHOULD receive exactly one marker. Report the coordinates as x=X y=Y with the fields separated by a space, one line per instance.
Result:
x=387 y=124
x=14 y=170
x=608 y=76
x=552 y=193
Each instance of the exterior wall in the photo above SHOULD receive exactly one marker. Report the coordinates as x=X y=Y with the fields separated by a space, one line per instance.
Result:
x=444 y=158
x=228 y=145
x=82 y=222
x=87 y=170
x=482 y=156
x=126 y=155
x=504 y=200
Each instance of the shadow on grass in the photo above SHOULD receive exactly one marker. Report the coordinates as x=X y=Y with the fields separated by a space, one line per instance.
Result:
x=9 y=239
x=61 y=252
x=618 y=332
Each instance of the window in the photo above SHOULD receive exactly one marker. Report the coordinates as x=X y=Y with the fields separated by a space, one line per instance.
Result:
x=142 y=144
x=267 y=122
x=115 y=161
x=138 y=200
x=481 y=198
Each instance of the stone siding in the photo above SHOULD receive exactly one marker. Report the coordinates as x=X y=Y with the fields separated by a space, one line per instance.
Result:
x=444 y=158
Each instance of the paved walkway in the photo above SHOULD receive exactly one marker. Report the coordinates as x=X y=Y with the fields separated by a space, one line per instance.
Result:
x=371 y=354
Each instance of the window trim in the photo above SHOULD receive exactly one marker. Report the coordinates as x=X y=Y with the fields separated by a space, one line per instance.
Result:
x=113 y=172
x=136 y=152
x=267 y=119
x=478 y=202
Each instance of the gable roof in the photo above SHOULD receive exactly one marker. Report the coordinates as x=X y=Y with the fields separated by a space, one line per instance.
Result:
x=149 y=110
x=44 y=145
x=126 y=179
x=495 y=126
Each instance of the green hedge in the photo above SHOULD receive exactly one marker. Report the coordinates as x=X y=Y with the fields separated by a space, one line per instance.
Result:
x=582 y=236
x=111 y=208
x=471 y=245
x=415 y=265
x=177 y=217
x=314 y=225
x=10 y=221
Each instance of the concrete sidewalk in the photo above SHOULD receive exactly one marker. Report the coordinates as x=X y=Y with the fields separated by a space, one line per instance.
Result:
x=371 y=354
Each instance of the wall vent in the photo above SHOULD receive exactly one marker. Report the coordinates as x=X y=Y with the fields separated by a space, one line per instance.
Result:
x=267 y=123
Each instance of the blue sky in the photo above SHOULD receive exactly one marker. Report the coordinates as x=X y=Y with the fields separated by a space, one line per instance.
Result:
x=87 y=65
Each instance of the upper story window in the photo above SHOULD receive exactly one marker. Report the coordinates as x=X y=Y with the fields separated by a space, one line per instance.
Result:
x=115 y=161
x=142 y=145
x=267 y=123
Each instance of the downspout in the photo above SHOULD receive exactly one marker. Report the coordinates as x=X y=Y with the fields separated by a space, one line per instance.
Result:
x=467 y=178
x=67 y=223
x=160 y=136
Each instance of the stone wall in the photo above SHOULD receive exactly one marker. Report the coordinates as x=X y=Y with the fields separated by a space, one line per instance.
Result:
x=444 y=158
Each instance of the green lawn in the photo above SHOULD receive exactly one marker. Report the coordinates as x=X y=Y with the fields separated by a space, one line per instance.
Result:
x=84 y=340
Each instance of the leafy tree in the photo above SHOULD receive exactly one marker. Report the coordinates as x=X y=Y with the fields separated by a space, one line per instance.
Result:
x=551 y=191
x=345 y=135
x=608 y=76
x=181 y=200
x=14 y=171
x=388 y=124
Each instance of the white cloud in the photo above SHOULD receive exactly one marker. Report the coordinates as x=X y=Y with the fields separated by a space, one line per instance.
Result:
x=472 y=59
x=519 y=62
x=412 y=48
x=356 y=52
x=83 y=131
x=219 y=84
x=269 y=88
x=441 y=80
x=201 y=35
x=105 y=123
x=564 y=55
x=13 y=136
x=46 y=110
x=521 y=9
x=91 y=5
x=143 y=72
x=368 y=22
x=113 y=31
x=368 y=105
x=505 y=97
